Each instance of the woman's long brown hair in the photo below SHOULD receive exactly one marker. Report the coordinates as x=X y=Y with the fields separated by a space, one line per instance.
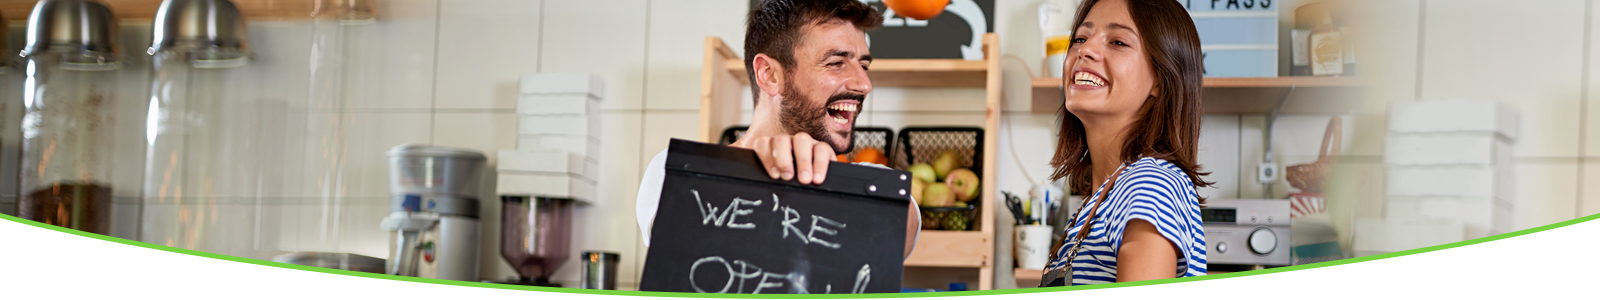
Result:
x=1168 y=125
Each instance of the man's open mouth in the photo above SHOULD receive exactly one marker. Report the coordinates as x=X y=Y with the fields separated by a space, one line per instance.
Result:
x=843 y=111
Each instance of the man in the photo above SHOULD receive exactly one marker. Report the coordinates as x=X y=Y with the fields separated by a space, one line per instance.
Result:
x=807 y=62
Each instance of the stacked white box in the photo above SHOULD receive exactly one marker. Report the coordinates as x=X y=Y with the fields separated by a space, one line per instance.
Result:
x=518 y=161
x=589 y=147
x=1449 y=162
x=558 y=138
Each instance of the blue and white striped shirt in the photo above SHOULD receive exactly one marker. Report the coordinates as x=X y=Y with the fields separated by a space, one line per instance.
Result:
x=1150 y=189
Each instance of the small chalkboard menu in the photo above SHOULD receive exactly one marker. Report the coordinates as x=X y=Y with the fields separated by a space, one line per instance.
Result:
x=723 y=226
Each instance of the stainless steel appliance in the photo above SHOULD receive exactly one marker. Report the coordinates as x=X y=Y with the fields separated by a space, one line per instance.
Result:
x=600 y=270
x=434 y=211
x=1252 y=232
x=535 y=236
x=342 y=261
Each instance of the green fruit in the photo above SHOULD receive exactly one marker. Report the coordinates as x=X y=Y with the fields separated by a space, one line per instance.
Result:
x=946 y=162
x=938 y=195
x=924 y=172
x=956 y=220
x=916 y=190
x=964 y=184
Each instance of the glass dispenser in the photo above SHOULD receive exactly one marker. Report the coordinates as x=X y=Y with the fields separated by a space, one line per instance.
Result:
x=203 y=137
x=334 y=183
x=67 y=127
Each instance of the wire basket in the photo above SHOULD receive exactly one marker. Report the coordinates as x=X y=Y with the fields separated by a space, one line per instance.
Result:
x=865 y=137
x=959 y=218
x=923 y=144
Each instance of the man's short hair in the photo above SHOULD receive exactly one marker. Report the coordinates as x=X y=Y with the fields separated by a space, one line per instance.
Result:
x=773 y=28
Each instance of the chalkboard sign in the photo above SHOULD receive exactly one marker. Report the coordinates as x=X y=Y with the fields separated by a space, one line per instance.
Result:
x=955 y=33
x=724 y=227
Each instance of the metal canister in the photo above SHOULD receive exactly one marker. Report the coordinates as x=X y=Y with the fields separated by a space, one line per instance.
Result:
x=600 y=270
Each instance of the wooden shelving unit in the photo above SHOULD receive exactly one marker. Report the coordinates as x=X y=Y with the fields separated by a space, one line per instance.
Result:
x=1247 y=95
x=1027 y=278
x=724 y=82
x=913 y=72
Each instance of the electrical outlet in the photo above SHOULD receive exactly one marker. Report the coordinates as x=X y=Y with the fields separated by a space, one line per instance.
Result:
x=1267 y=172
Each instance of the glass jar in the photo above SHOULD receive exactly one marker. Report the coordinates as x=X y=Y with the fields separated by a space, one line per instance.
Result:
x=203 y=136
x=68 y=123
x=332 y=182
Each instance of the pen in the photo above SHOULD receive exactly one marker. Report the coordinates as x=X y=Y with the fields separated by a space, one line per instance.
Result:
x=1047 y=211
x=1039 y=211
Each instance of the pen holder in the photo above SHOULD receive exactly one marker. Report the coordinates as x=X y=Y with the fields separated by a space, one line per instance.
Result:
x=1033 y=246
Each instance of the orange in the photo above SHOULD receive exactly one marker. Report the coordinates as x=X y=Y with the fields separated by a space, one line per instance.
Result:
x=842 y=158
x=871 y=155
x=917 y=9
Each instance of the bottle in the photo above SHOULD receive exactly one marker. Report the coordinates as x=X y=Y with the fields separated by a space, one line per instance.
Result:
x=1055 y=22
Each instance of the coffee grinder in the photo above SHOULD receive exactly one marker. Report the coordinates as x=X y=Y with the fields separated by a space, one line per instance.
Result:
x=535 y=237
x=434 y=211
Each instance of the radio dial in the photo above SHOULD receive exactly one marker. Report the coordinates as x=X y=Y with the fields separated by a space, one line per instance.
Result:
x=1263 y=241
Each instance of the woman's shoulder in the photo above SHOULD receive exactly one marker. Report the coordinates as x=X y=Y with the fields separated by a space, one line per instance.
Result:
x=1156 y=170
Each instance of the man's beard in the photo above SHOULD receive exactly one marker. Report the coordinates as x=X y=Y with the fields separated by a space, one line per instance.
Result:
x=800 y=114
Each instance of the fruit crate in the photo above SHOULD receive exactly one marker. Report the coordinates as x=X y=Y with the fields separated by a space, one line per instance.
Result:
x=923 y=144
x=866 y=137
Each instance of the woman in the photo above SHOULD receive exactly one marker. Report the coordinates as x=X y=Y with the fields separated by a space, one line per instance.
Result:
x=1131 y=125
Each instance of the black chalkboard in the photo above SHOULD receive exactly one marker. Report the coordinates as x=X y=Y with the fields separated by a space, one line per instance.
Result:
x=955 y=33
x=724 y=227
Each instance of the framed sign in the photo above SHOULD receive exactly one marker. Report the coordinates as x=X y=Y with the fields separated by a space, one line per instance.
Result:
x=1326 y=51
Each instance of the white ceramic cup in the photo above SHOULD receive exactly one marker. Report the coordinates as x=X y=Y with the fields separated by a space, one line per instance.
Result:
x=1033 y=246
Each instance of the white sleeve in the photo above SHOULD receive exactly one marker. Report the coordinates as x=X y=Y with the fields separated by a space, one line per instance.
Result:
x=649 y=198
x=918 y=221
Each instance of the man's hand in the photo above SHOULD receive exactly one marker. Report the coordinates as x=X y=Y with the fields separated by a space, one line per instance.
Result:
x=797 y=157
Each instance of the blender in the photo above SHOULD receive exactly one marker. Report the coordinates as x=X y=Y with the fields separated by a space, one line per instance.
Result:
x=434 y=211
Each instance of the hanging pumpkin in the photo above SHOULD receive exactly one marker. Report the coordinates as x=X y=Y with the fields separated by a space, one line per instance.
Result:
x=917 y=9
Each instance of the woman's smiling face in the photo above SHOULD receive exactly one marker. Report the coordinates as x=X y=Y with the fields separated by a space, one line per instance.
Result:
x=1108 y=71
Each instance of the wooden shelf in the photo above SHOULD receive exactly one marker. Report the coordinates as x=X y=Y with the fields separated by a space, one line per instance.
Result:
x=1328 y=95
x=1028 y=275
x=936 y=248
x=909 y=72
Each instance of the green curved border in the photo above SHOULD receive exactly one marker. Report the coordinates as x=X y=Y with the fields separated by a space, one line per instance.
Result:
x=782 y=296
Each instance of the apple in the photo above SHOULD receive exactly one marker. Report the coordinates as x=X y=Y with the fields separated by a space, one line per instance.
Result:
x=946 y=161
x=938 y=195
x=916 y=190
x=924 y=172
x=963 y=183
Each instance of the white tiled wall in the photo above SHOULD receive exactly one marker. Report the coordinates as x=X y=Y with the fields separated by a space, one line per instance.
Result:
x=448 y=71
